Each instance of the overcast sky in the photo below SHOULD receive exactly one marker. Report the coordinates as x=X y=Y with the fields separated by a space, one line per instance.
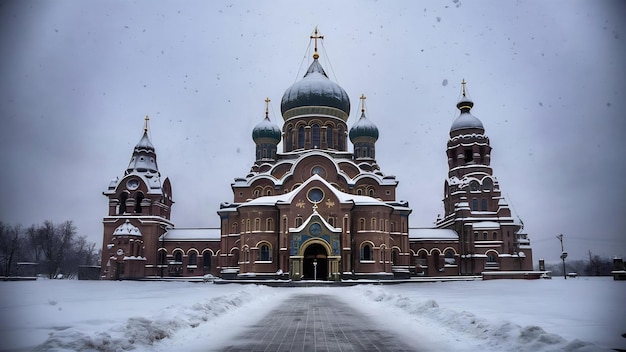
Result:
x=547 y=79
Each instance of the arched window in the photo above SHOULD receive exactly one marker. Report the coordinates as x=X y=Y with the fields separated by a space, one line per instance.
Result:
x=487 y=184
x=269 y=225
x=122 y=206
x=491 y=258
x=235 y=228
x=329 y=136
x=475 y=236
x=256 y=193
x=331 y=221
x=257 y=224
x=495 y=236
x=289 y=138
x=247 y=225
x=178 y=257
x=315 y=135
x=301 y=137
x=474 y=185
x=359 y=192
x=162 y=257
x=138 y=199
x=298 y=221
x=395 y=256
x=265 y=253
x=483 y=204
x=193 y=259
x=393 y=227
x=206 y=262
x=474 y=204
x=371 y=193
x=449 y=257
x=366 y=252
x=485 y=236
x=340 y=135
x=361 y=224
x=373 y=224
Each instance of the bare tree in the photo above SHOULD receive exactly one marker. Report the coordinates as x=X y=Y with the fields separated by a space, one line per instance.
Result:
x=10 y=245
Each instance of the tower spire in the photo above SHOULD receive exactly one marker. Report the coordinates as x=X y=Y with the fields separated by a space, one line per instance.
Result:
x=315 y=37
x=463 y=86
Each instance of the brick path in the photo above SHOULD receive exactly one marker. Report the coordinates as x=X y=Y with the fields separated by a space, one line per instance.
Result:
x=316 y=323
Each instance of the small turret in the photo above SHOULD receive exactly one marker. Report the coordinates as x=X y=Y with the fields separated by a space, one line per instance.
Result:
x=266 y=136
x=364 y=135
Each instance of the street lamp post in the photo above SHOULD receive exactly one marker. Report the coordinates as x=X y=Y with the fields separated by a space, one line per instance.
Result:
x=563 y=255
x=315 y=269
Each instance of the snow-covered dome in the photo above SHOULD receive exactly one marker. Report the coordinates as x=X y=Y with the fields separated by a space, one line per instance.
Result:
x=266 y=130
x=466 y=120
x=127 y=229
x=363 y=128
x=316 y=90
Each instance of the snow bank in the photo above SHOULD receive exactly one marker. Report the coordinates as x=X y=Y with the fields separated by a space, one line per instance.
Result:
x=423 y=323
x=142 y=332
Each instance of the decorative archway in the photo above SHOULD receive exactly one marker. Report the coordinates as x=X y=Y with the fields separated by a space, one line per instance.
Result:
x=315 y=262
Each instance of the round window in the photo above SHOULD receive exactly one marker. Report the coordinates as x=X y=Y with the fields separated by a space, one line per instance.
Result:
x=132 y=184
x=315 y=195
x=316 y=229
x=318 y=170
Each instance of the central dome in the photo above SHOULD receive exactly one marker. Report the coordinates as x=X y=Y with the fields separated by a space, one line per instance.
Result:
x=313 y=92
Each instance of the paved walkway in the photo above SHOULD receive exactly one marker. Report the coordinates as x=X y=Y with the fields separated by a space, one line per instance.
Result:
x=316 y=323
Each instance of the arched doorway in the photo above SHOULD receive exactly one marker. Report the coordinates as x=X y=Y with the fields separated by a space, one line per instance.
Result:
x=315 y=261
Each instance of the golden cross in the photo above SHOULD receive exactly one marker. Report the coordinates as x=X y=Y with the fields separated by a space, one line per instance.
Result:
x=362 y=102
x=145 y=126
x=267 y=104
x=315 y=38
x=463 y=85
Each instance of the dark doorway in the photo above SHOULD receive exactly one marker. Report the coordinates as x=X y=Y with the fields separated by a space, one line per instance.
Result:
x=315 y=253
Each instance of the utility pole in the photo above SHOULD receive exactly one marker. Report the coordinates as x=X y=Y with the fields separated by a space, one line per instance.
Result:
x=563 y=255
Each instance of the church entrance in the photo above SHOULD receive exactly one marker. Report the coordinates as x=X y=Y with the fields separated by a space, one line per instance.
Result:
x=315 y=263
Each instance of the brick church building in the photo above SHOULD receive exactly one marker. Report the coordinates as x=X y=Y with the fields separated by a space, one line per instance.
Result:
x=317 y=210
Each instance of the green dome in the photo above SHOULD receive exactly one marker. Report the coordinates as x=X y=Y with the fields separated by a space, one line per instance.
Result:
x=266 y=130
x=363 y=128
x=315 y=89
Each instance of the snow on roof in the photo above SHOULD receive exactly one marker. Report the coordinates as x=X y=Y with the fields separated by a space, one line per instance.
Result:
x=341 y=196
x=191 y=234
x=435 y=234
x=486 y=225
x=127 y=229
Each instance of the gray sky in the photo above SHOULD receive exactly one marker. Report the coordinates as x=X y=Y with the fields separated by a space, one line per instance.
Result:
x=77 y=79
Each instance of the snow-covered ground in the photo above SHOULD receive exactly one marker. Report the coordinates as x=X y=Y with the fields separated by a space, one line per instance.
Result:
x=582 y=314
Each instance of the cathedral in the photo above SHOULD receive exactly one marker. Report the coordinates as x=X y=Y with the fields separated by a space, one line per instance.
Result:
x=318 y=209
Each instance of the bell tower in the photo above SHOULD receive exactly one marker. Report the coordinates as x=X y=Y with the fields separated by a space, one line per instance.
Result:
x=489 y=237
x=139 y=213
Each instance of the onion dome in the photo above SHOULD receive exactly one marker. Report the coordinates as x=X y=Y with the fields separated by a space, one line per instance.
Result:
x=363 y=128
x=127 y=229
x=315 y=90
x=465 y=120
x=266 y=130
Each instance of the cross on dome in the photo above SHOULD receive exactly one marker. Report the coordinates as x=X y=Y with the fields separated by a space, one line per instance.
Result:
x=363 y=97
x=267 y=105
x=315 y=37
x=145 y=125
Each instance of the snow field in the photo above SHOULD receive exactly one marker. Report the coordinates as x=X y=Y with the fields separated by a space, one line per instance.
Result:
x=583 y=314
